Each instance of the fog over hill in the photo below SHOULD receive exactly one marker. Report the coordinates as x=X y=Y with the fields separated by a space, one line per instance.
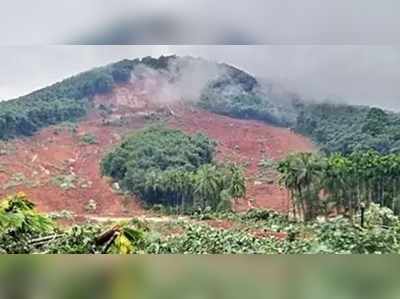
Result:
x=368 y=75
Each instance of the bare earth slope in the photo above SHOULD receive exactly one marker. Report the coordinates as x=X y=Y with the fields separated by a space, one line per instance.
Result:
x=61 y=172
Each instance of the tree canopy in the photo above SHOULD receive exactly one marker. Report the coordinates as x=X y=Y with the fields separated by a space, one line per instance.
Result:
x=321 y=184
x=346 y=128
x=166 y=166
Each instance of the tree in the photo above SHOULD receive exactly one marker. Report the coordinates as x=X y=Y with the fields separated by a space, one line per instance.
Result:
x=208 y=187
x=237 y=184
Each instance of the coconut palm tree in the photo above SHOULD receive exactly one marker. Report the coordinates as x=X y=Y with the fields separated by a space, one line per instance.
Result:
x=208 y=186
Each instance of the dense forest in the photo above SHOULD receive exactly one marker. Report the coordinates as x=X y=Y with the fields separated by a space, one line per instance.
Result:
x=166 y=166
x=346 y=128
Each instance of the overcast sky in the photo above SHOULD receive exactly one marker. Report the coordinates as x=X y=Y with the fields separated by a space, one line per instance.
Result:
x=358 y=74
x=200 y=21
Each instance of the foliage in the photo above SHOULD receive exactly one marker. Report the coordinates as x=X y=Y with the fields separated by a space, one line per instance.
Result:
x=166 y=166
x=301 y=174
x=345 y=128
x=67 y=100
x=19 y=223
x=89 y=138
x=124 y=238
x=233 y=101
x=272 y=217
x=23 y=230
x=65 y=182
x=232 y=92
x=318 y=184
x=340 y=236
x=199 y=239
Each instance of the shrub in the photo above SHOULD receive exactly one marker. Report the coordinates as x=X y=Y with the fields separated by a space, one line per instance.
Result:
x=89 y=138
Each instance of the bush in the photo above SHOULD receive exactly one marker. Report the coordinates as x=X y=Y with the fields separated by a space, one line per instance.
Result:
x=20 y=223
x=89 y=138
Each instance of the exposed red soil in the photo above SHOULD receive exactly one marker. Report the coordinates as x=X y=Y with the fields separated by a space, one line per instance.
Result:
x=220 y=223
x=246 y=142
x=48 y=154
x=32 y=163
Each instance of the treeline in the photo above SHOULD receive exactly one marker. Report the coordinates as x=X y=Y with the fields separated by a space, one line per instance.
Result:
x=346 y=128
x=345 y=184
x=165 y=166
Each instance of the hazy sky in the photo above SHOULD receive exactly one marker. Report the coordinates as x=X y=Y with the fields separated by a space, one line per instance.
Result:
x=201 y=21
x=359 y=74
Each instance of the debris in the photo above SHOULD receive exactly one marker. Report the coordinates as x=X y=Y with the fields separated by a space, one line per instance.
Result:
x=71 y=161
x=47 y=172
x=89 y=138
x=63 y=214
x=170 y=110
x=116 y=186
x=65 y=182
x=91 y=206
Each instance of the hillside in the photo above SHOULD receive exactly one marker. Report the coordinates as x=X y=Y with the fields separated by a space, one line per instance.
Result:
x=182 y=155
x=346 y=128
x=71 y=125
x=39 y=165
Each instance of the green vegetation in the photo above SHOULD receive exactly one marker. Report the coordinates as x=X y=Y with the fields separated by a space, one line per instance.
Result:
x=65 y=182
x=64 y=101
x=19 y=224
x=237 y=94
x=166 y=166
x=89 y=138
x=69 y=181
x=23 y=230
x=247 y=106
x=233 y=93
x=345 y=128
x=320 y=184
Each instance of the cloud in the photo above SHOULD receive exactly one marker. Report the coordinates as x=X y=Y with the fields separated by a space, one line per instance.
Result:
x=357 y=74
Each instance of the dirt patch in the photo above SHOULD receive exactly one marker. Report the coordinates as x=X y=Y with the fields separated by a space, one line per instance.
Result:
x=246 y=142
x=220 y=223
x=38 y=163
